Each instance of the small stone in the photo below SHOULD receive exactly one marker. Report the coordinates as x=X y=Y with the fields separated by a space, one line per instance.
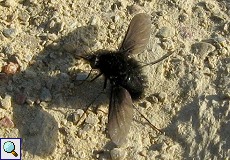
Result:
x=162 y=96
x=116 y=18
x=10 y=68
x=166 y=32
x=6 y=122
x=168 y=45
x=220 y=40
x=20 y=98
x=8 y=50
x=86 y=128
x=168 y=108
x=43 y=104
x=9 y=32
x=63 y=131
x=24 y=16
x=202 y=49
x=82 y=76
x=83 y=133
x=75 y=116
x=145 y=104
x=30 y=101
x=55 y=46
x=112 y=26
x=118 y=154
x=6 y=102
x=10 y=3
x=152 y=99
x=45 y=95
x=94 y=21
x=134 y=9
x=92 y=119
x=143 y=153
x=183 y=17
x=223 y=51
x=227 y=27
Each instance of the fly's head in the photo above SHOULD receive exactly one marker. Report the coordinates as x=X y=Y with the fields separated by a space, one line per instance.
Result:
x=93 y=60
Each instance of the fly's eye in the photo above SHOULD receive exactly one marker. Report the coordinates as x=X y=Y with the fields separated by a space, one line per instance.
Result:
x=94 y=62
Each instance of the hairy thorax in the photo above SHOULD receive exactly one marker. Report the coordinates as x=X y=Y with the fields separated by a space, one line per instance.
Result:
x=121 y=70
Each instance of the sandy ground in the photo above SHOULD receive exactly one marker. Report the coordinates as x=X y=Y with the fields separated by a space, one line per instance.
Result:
x=187 y=96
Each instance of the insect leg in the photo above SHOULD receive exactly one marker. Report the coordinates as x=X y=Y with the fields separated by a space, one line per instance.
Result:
x=105 y=83
x=86 y=78
x=96 y=77
x=151 y=125
x=162 y=58
x=80 y=121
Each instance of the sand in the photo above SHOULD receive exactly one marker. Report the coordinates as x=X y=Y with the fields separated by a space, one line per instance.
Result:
x=187 y=96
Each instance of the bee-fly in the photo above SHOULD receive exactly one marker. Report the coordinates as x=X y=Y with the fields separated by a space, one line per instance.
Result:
x=125 y=76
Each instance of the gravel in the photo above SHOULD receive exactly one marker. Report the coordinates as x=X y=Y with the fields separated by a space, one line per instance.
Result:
x=187 y=94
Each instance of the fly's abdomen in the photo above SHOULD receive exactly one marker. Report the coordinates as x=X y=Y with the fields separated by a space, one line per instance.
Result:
x=135 y=85
x=134 y=79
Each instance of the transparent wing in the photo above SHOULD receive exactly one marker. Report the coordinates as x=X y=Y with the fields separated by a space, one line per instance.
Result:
x=120 y=115
x=137 y=36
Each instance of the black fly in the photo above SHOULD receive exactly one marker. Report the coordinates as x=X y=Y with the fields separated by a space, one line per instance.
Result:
x=125 y=76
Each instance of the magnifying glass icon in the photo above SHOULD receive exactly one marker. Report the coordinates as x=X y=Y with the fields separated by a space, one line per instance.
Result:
x=9 y=147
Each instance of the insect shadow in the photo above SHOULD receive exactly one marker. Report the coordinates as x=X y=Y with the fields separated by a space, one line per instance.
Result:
x=46 y=84
x=127 y=82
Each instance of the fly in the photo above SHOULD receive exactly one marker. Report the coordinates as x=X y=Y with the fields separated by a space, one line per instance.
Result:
x=125 y=75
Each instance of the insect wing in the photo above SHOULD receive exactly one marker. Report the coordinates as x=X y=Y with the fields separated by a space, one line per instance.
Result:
x=120 y=115
x=137 y=36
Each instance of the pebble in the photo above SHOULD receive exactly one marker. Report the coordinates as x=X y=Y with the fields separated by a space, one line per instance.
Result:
x=134 y=9
x=9 y=32
x=92 y=119
x=94 y=21
x=118 y=154
x=162 y=96
x=30 y=101
x=168 y=44
x=52 y=36
x=75 y=116
x=20 y=98
x=82 y=76
x=6 y=122
x=63 y=130
x=227 y=27
x=143 y=153
x=8 y=50
x=145 y=104
x=183 y=17
x=223 y=51
x=83 y=133
x=152 y=99
x=166 y=32
x=43 y=104
x=116 y=18
x=6 y=102
x=10 y=3
x=86 y=128
x=220 y=40
x=202 y=49
x=45 y=95
x=24 y=16
x=10 y=68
